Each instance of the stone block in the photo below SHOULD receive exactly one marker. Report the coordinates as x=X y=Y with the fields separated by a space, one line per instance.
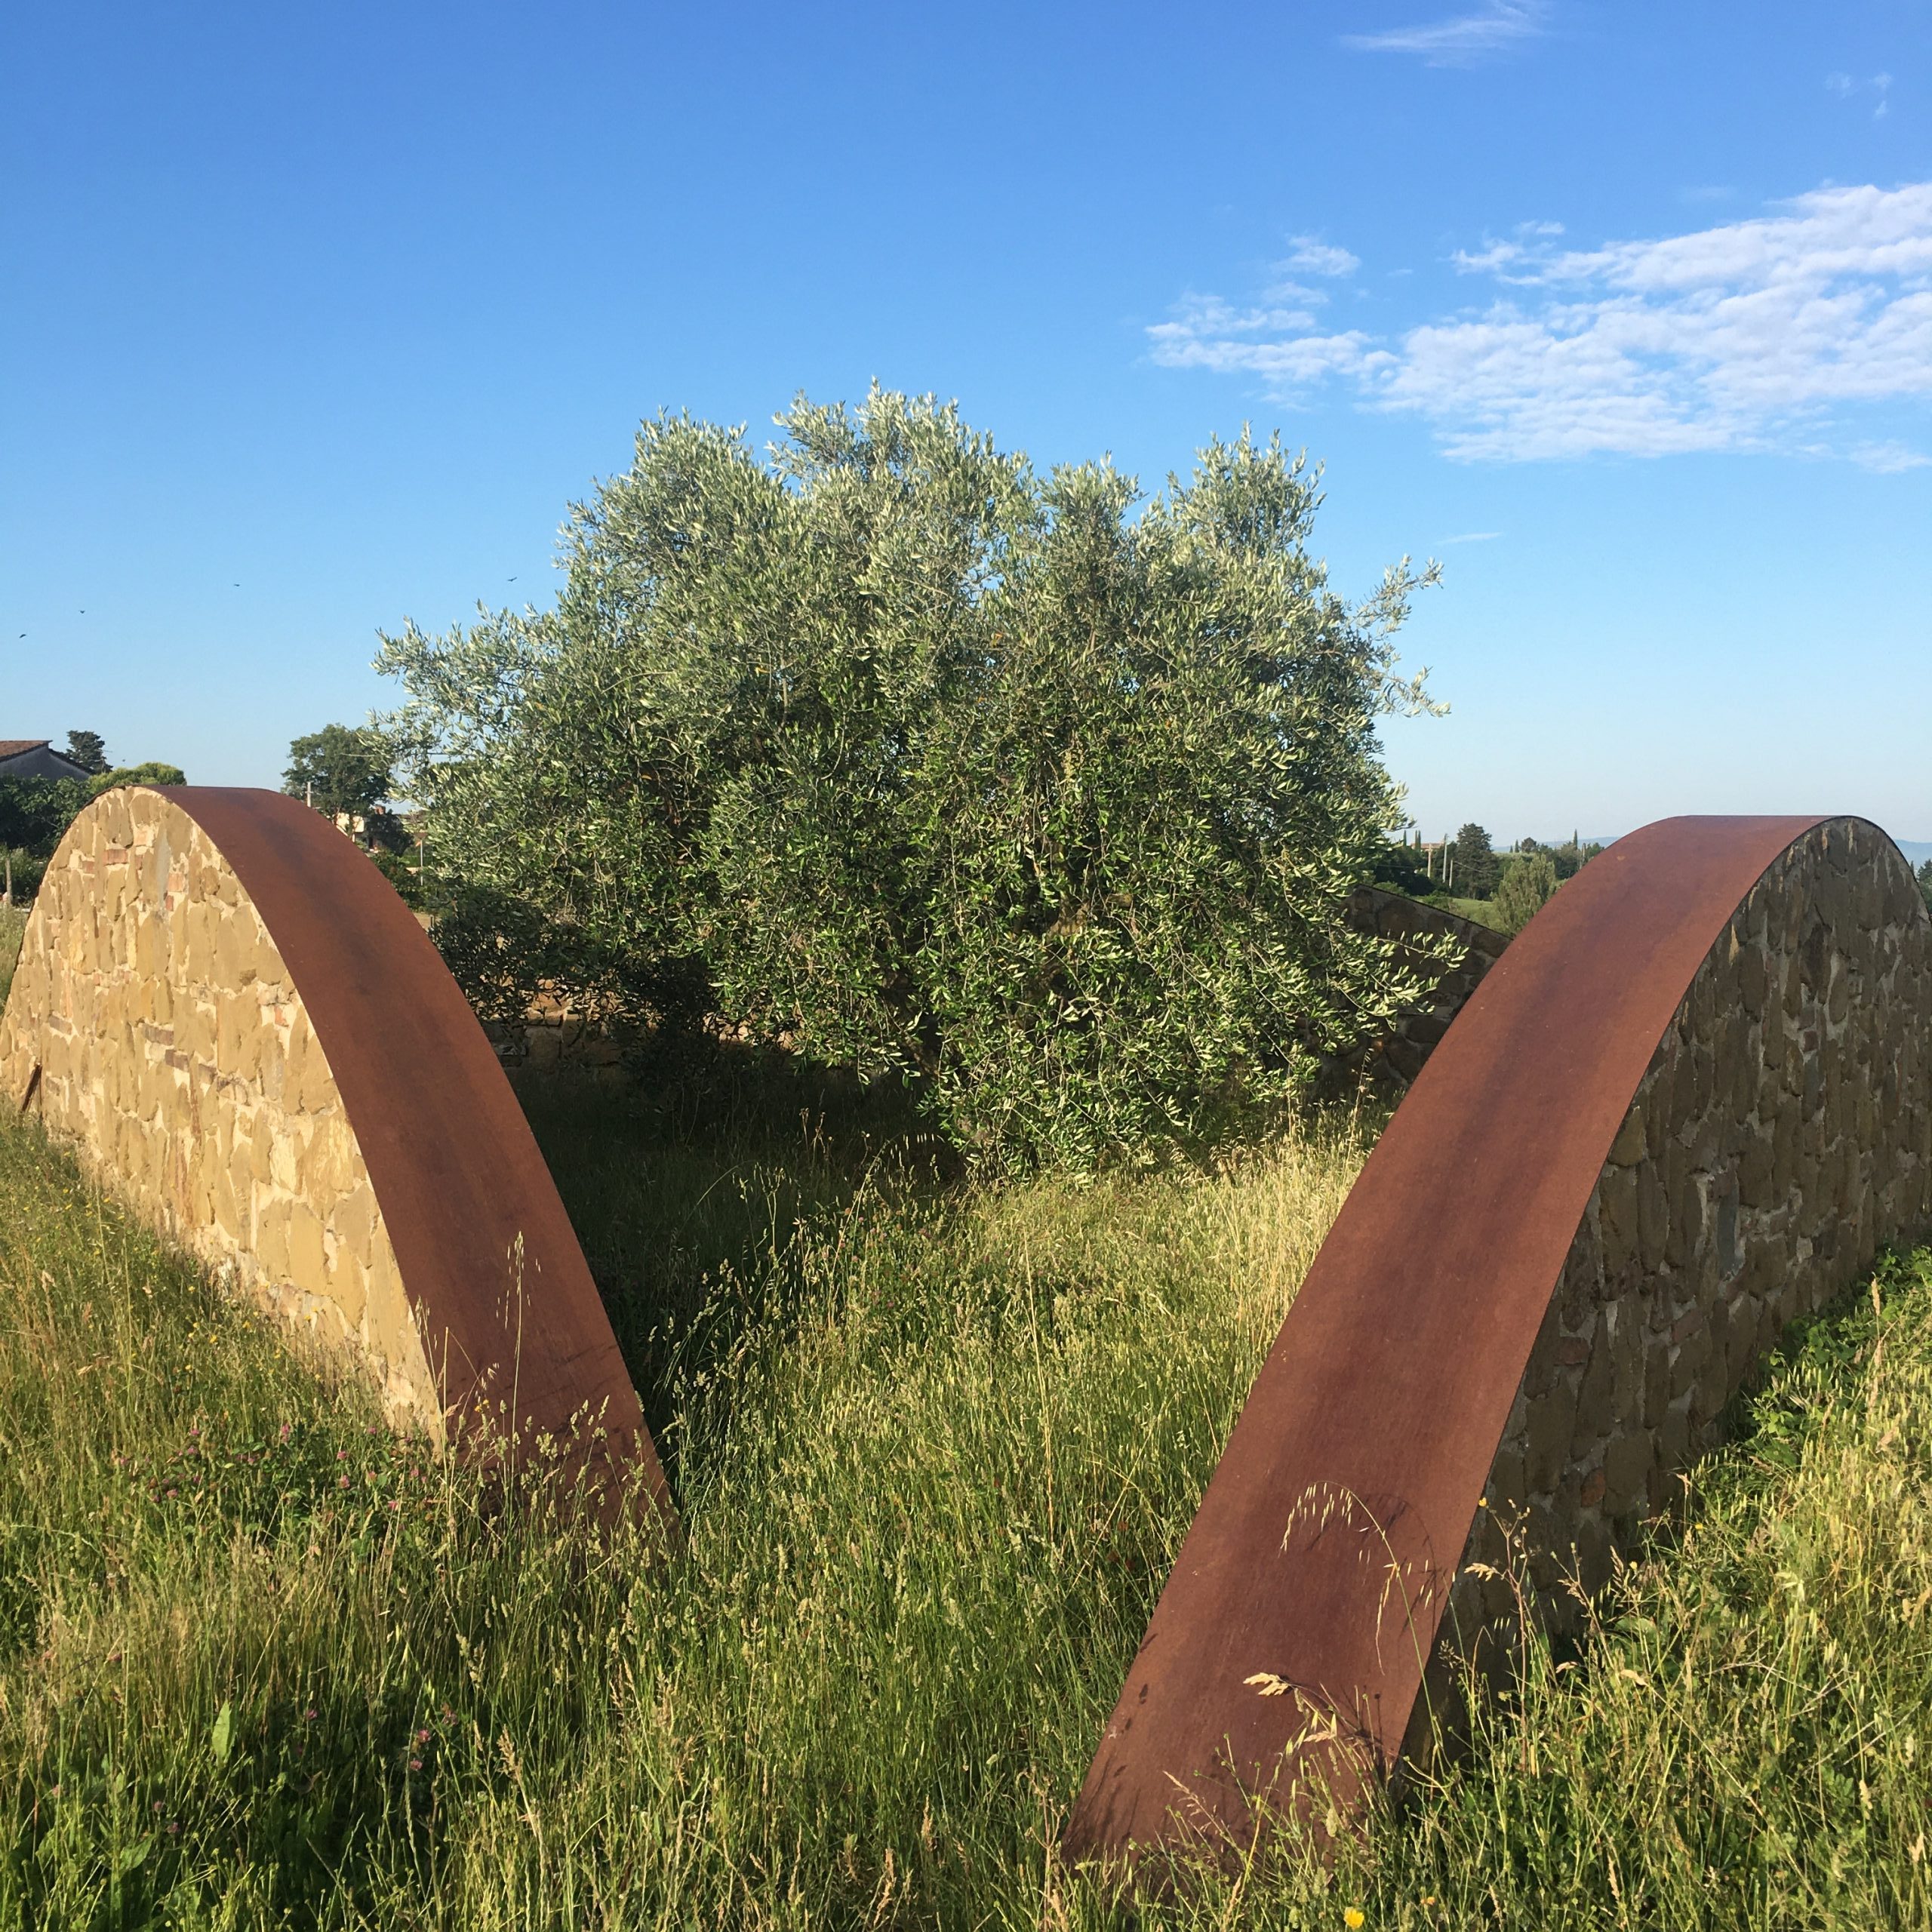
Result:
x=1626 y=1468
x=306 y=1264
x=1617 y=1219
x=234 y=951
x=271 y=1242
x=1546 y=1441
x=353 y=1221
x=1631 y=1143
x=1653 y=1216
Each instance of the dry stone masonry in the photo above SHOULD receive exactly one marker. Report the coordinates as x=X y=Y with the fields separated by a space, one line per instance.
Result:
x=1782 y=1133
x=153 y=1024
x=1393 y=1061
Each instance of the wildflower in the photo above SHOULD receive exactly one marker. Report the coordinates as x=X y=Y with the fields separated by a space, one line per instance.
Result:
x=416 y=1764
x=309 y=1715
x=1354 y=1918
x=421 y=1737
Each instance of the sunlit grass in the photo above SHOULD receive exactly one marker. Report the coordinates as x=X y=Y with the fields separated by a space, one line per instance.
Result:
x=933 y=1458
x=260 y=1663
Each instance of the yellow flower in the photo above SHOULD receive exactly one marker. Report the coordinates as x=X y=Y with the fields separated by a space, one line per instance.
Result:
x=1354 y=1918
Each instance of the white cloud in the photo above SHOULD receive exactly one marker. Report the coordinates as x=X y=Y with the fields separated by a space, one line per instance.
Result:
x=1472 y=536
x=1463 y=39
x=1754 y=334
x=1313 y=258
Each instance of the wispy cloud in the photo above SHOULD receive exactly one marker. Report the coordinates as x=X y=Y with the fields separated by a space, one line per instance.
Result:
x=1756 y=334
x=1463 y=39
x=1847 y=88
x=1472 y=536
x=1311 y=257
x=1888 y=459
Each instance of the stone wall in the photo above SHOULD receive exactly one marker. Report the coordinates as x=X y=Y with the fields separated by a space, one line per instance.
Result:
x=1395 y=1059
x=153 y=1024
x=556 y=1037
x=1782 y=1130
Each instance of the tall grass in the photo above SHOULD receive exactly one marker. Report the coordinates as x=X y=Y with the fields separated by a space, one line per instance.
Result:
x=13 y=930
x=261 y=1664
x=934 y=1457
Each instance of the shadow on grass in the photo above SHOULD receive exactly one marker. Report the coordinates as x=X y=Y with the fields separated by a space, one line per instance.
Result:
x=691 y=1187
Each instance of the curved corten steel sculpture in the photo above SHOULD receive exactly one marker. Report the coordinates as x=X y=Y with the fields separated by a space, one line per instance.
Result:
x=228 y=1008
x=1685 y=1106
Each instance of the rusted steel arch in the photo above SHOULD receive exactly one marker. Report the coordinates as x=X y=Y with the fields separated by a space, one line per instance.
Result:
x=1288 y=1649
x=503 y=1303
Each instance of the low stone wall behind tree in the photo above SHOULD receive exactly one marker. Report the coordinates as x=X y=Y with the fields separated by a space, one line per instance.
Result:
x=1393 y=1059
x=153 y=1024
x=1782 y=1133
x=557 y=1037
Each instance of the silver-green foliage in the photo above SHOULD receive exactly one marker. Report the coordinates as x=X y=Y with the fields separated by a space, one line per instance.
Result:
x=1041 y=795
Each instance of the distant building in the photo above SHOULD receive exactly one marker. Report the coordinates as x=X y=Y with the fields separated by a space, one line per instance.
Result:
x=35 y=757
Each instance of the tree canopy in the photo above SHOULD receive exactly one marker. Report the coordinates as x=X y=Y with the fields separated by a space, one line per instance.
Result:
x=87 y=751
x=1477 y=870
x=1041 y=795
x=155 y=772
x=340 y=768
x=1528 y=884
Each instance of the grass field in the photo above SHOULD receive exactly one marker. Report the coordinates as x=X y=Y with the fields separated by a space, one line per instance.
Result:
x=261 y=1664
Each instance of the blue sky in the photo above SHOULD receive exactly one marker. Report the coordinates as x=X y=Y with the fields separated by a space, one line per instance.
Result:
x=316 y=318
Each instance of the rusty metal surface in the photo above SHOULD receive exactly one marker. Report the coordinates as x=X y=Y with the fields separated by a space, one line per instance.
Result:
x=469 y=1204
x=1373 y=1423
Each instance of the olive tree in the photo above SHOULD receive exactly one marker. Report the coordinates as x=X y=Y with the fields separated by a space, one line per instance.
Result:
x=1041 y=796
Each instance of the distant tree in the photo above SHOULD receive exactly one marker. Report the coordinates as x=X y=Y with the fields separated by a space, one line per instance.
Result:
x=1925 y=883
x=1477 y=869
x=1403 y=868
x=87 y=750
x=385 y=831
x=1529 y=885
x=150 y=773
x=340 y=768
